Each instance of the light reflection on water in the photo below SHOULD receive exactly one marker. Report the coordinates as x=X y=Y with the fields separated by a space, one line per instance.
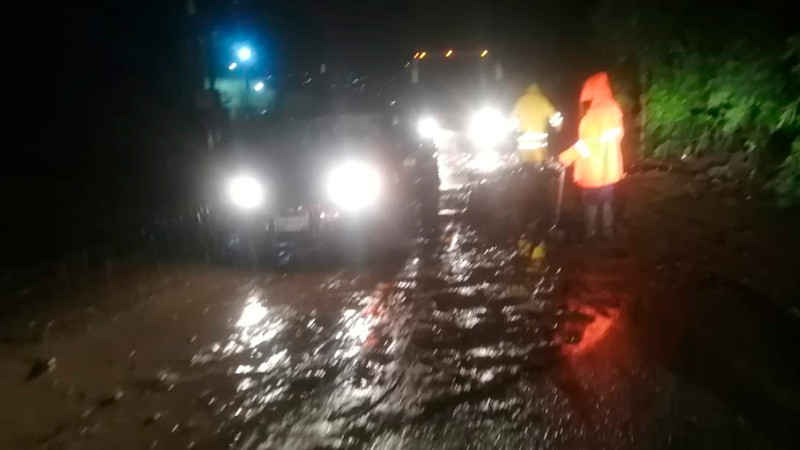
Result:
x=252 y=314
x=464 y=318
x=268 y=361
x=271 y=363
x=475 y=335
x=256 y=327
x=356 y=327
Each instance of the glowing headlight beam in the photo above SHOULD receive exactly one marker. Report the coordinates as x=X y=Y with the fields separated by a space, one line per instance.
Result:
x=428 y=128
x=353 y=186
x=246 y=192
x=488 y=127
x=244 y=53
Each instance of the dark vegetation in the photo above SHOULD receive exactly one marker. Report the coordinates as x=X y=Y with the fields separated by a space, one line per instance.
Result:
x=709 y=78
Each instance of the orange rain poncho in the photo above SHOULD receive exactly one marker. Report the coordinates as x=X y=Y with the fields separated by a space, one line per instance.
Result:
x=597 y=155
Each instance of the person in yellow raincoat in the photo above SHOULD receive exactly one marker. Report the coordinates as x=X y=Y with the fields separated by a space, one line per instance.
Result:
x=533 y=113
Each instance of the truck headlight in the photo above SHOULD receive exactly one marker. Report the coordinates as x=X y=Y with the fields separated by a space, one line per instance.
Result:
x=428 y=128
x=487 y=128
x=246 y=192
x=353 y=186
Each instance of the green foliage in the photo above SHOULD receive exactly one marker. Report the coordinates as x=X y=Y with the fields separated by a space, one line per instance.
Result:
x=724 y=80
x=731 y=101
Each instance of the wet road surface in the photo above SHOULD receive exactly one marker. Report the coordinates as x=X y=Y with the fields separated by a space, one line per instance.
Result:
x=460 y=344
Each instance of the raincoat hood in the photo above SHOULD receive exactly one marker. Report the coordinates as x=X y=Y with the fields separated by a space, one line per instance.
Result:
x=597 y=155
x=533 y=90
x=596 y=89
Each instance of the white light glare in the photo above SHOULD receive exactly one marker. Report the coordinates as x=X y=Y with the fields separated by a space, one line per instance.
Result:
x=428 y=128
x=353 y=186
x=244 y=54
x=259 y=86
x=233 y=66
x=486 y=161
x=488 y=127
x=252 y=314
x=556 y=120
x=246 y=192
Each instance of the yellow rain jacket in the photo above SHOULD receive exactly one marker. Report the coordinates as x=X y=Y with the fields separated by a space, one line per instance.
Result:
x=533 y=111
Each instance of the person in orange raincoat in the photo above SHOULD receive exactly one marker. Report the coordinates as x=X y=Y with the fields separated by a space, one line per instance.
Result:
x=597 y=155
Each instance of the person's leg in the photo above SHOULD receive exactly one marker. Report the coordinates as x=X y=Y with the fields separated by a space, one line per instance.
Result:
x=590 y=207
x=608 y=220
x=590 y=214
x=607 y=198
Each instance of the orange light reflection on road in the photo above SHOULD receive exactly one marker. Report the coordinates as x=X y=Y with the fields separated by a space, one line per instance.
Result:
x=596 y=330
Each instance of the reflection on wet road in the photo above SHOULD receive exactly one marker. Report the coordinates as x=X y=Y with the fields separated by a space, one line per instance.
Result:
x=462 y=347
x=465 y=346
x=462 y=338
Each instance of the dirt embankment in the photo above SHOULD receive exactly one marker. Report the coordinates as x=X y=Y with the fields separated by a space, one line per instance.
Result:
x=717 y=215
x=724 y=282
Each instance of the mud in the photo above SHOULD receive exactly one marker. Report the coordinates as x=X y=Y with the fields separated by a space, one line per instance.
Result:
x=461 y=343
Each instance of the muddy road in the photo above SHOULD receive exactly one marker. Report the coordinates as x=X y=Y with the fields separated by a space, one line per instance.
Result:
x=458 y=343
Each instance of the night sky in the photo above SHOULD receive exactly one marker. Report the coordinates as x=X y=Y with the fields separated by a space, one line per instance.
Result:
x=144 y=44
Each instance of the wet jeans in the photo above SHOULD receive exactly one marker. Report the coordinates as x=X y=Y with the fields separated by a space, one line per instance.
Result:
x=595 y=199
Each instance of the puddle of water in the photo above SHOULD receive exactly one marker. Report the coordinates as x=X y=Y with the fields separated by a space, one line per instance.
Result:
x=461 y=338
